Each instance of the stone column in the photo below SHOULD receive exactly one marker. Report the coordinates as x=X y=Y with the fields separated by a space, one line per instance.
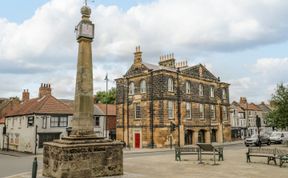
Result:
x=207 y=136
x=82 y=122
x=195 y=136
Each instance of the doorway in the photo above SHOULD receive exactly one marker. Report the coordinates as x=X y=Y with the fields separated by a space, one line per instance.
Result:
x=137 y=140
x=188 y=137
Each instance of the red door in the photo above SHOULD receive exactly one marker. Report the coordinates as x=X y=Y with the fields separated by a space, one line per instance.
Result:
x=137 y=140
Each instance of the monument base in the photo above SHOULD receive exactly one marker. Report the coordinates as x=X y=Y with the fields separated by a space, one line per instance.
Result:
x=74 y=157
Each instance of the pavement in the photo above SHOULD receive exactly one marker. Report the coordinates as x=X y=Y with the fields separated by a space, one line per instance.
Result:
x=164 y=165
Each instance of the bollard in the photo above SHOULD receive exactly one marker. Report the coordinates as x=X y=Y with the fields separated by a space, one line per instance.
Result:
x=34 y=168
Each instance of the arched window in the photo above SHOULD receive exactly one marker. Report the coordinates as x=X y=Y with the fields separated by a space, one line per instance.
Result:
x=143 y=86
x=200 y=90
x=170 y=84
x=188 y=87
x=131 y=88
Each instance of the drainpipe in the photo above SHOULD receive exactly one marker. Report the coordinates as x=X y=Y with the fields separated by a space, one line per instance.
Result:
x=178 y=106
x=152 y=110
x=123 y=110
x=128 y=126
x=35 y=148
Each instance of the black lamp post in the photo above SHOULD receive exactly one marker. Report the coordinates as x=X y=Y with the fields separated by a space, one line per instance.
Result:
x=258 y=125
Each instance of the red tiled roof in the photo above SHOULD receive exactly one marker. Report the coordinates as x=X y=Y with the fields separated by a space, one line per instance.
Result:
x=253 y=107
x=111 y=109
x=2 y=120
x=45 y=105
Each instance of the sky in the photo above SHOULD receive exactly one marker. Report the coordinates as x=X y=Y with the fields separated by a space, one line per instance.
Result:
x=242 y=42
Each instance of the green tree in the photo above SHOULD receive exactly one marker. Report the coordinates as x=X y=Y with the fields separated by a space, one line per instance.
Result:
x=103 y=97
x=278 y=117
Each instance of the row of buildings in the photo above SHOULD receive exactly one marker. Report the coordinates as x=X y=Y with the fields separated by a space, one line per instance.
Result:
x=243 y=118
x=31 y=122
x=156 y=106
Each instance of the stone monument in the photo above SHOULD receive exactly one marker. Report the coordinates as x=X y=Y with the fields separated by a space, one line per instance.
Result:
x=82 y=154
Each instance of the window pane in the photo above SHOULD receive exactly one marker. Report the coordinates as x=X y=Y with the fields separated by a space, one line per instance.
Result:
x=97 y=121
x=201 y=108
x=201 y=90
x=170 y=84
x=212 y=92
x=53 y=121
x=188 y=87
x=131 y=88
x=137 y=111
x=63 y=121
x=188 y=110
x=212 y=111
x=143 y=86
x=170 y=110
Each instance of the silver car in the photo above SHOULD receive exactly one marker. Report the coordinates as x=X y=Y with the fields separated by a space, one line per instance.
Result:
x=279 y=137
x=254 y=140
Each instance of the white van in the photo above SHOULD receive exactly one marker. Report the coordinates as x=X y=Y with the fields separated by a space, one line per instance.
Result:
x=279 y=137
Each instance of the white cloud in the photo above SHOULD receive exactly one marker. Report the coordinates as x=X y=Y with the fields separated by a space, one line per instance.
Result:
x=46 y=42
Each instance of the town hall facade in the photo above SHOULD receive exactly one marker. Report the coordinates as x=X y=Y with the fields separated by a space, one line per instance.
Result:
x=171 y=104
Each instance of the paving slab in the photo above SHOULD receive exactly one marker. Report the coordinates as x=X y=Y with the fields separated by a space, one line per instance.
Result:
x=164 y=165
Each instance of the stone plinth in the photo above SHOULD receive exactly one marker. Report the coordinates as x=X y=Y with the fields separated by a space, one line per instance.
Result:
x=82 y=157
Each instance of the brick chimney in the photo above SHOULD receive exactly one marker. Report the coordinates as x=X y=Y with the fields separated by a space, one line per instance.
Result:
x=45 y=89
x=243 y=100
x=25 y=95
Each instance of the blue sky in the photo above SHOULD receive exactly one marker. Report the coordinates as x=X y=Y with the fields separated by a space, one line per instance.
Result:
x=242 y=42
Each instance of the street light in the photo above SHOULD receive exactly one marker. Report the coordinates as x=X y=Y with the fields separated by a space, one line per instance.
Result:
x=106 y=121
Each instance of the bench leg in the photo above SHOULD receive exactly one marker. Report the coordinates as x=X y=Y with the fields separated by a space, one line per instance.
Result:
x=271 y=159
x=248 y=158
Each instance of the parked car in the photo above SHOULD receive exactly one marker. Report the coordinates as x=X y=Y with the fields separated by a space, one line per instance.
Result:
x=279 y=137
x=253 y=140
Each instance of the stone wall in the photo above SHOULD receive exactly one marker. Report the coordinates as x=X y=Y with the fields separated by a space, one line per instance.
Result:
x=73 y=159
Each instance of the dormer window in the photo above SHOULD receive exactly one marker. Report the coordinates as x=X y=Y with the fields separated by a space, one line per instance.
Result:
x=143 y=86
x=188 y=88
x=131 y=88
x=200 y=90
x=170 y=84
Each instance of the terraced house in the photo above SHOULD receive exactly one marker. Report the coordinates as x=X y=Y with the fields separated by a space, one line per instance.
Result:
x=171 y=104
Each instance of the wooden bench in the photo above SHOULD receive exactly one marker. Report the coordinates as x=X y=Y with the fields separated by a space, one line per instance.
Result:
x=282 y=155
x=185 y=151
x=269 y=153
x=209 y=149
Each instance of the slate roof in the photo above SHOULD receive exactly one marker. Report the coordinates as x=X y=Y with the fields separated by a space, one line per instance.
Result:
x=45 y=105
x=111 y=109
